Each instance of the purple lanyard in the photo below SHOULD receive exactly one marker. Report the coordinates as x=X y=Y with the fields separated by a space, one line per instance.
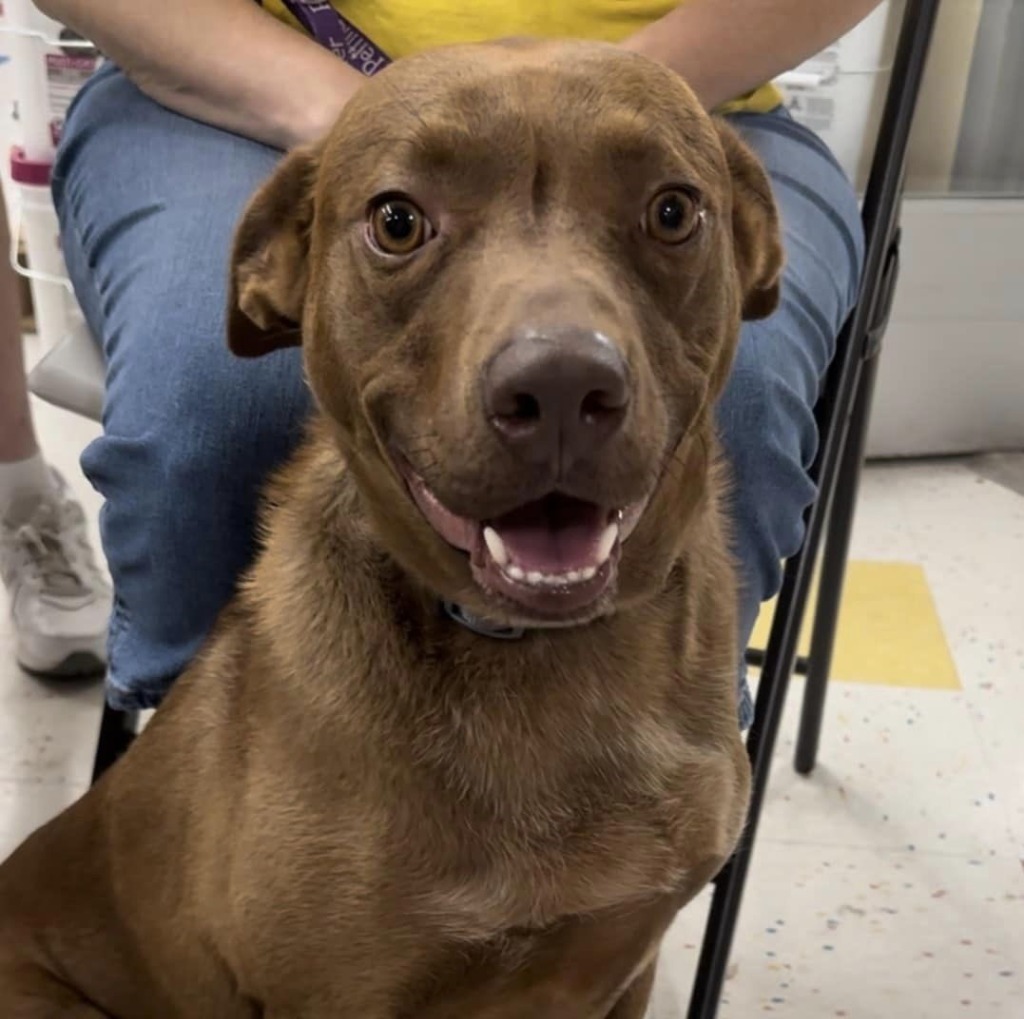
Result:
x=338 y=34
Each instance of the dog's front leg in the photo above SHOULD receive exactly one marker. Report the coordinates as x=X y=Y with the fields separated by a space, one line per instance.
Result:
x=634 y=1003
x=594 y=967
x=27 y=992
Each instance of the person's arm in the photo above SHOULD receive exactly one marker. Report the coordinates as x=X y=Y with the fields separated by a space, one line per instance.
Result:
x=725 y=48
x=225 y=62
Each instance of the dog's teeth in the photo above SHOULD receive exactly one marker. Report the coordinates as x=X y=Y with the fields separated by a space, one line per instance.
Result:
x=607 y=542
x=537 y=579
x=495 y=546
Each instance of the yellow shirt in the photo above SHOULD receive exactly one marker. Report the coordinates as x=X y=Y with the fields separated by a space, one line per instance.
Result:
x=402 y=27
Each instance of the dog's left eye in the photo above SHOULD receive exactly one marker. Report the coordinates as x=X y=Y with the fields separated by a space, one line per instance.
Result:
x=398 y=226
x=673 y=216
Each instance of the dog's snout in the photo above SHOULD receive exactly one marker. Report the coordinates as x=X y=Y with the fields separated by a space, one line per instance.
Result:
x=556 y=395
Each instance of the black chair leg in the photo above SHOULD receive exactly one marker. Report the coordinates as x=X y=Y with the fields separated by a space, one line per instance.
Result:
x=842 y=392
x=771 y=698
x=833 y=573
x=117 y=730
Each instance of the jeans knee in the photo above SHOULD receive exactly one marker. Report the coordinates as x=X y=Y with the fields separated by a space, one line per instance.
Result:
x=770 y=440
x=188 y=471
x=181 y=482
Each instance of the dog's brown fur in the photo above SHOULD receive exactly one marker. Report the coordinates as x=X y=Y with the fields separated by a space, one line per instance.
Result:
x=350 y=806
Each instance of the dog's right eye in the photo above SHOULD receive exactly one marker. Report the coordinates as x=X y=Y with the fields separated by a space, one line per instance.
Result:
x=398 y=226
x=674 y=216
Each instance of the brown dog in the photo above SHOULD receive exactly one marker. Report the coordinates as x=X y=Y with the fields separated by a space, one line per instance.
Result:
x=519 y=273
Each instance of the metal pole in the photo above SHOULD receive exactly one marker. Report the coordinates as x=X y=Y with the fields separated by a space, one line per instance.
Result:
x=833 y=574
x=880 y=202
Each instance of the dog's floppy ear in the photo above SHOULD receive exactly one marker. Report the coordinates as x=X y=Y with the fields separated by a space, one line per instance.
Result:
x=269 y=269
x=756 y=232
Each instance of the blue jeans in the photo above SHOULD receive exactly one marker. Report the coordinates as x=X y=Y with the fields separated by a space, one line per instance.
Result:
x=148 y=201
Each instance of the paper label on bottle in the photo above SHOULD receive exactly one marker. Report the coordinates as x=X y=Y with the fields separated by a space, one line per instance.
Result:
x=814 y=106
x=66 y=72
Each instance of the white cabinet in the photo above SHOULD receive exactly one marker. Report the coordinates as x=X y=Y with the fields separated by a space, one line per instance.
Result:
x=951 y=379
x=952 y=370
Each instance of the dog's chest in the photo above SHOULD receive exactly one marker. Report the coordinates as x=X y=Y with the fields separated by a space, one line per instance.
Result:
x=532 y=892
x=560 y=859
x=628 y=818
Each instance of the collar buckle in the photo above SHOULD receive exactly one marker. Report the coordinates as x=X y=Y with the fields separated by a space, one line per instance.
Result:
x=484 y=627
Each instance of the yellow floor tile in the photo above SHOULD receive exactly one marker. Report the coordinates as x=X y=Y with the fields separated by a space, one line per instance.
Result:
x=889 y=632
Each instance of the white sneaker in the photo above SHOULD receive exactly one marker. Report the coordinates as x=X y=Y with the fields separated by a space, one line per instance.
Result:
x=60 y=601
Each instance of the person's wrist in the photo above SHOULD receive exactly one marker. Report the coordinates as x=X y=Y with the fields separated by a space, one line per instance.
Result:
x=312 y=111
x=309 y=125
x=649 y=43
x=317 y=119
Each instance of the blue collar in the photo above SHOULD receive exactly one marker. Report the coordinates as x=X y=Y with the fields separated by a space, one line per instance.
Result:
x=484 y=627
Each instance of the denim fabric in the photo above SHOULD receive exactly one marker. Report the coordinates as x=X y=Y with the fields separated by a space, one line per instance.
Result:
x=148 y=201
x=766 y=418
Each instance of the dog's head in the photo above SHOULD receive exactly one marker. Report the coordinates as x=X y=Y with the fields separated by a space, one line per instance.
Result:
x=518 y=272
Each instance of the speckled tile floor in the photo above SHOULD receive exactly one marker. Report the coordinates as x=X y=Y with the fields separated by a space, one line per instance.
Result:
x=891 y=882
x=888 y=884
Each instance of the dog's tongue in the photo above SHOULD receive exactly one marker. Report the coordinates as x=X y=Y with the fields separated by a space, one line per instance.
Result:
x=553 y=535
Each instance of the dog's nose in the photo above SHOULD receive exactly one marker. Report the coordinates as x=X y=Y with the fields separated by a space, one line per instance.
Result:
x=557 y=394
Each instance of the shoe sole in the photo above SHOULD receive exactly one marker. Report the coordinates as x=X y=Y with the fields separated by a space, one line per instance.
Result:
x=77 y=665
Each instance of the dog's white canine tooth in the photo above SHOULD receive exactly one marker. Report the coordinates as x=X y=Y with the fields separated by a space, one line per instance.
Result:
x=515 y=573
x=534 y=577
x=495 y=546
x=588 y=573
x=607 y=542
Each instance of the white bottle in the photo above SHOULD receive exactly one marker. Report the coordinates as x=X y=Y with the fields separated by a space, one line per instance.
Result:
x=50 y=63
x=838 y=92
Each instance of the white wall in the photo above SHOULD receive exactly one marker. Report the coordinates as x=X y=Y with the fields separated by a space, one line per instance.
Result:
x=952 y=371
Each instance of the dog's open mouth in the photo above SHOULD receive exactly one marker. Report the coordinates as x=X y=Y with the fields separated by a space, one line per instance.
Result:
x=553 y=557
